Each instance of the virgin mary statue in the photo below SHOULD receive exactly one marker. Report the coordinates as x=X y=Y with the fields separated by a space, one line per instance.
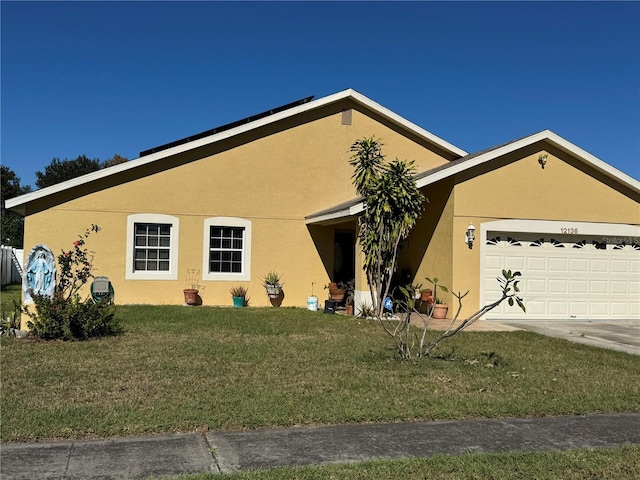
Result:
x=40 y=274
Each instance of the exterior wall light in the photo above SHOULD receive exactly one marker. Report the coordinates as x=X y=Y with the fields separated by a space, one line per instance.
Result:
x=542 y=160
x=470 y=235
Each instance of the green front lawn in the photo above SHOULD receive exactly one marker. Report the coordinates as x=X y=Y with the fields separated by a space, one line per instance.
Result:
x=621 y=463
x=186 y=368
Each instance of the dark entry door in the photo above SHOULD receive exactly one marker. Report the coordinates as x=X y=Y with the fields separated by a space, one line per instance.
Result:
x=344 y=264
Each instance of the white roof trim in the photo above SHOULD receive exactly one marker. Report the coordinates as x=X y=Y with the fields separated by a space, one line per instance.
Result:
x=337 y=215
x=394 y=117
x=448 y=171
x=321 y=102
x=545 y=135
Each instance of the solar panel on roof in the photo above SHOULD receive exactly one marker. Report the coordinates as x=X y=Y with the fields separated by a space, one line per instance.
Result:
x=227 y=126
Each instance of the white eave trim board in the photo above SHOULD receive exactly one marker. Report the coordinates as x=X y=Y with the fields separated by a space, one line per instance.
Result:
x=321 y=102
x=545 y=135
x=346 y=212
x=394 y=117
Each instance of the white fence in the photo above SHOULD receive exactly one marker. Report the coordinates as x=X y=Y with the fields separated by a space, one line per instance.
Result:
x=11 y=264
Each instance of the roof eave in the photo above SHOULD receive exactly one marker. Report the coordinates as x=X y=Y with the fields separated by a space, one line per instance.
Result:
x=16 y=203
x=545 y=135
x=335 y=216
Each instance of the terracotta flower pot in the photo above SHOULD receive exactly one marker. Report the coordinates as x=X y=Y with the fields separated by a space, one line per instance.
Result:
x=190 y=296
x=337 y=294
x=440 y=310
x=425 y=295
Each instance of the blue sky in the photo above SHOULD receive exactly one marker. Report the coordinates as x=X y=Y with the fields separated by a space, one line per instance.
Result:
x=100 y=78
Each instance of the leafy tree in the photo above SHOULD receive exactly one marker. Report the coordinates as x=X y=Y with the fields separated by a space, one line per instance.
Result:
x=60 y=170
x=12 y=223
x=115 y=160
x=393 y=206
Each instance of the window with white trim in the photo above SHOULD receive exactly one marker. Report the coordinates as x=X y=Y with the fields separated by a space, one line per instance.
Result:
x=226 y=246
x=227 y=249
x=152 y=247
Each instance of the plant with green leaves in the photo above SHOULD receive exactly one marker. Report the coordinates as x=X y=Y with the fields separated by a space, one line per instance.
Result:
x=272 y=278
x=434 y=282
x=410 y=344
x=10 y=320
x=65 y=315
x=272 y=282
x=393 y=204
x=239 y=291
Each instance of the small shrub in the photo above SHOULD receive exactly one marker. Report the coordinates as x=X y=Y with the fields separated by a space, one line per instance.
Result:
x=365 y=310
x=10 y=320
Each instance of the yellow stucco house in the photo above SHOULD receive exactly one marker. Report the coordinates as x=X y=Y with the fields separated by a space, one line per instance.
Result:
x=273 y=192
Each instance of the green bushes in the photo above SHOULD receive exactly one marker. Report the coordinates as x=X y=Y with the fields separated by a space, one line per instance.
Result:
x=65 y=315
x=56 y=318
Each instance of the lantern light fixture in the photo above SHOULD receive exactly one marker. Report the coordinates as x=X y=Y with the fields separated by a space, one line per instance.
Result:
x=470 y=235
x=542 y=160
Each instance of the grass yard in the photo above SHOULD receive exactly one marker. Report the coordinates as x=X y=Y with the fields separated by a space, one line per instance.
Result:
x=187 y=368
x=615 y=463
x=7 y=296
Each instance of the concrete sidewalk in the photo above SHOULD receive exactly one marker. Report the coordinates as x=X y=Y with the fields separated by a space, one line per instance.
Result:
x=138 y=458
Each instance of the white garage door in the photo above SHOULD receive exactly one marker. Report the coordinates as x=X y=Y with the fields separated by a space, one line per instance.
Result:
x=565 y=276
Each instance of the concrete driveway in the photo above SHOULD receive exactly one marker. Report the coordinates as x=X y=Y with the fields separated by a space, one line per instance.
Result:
x=621 y=335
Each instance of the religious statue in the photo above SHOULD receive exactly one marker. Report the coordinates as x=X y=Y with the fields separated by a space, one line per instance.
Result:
x=40 y=274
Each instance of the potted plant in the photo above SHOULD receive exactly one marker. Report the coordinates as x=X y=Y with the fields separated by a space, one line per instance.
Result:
x=192 y=287
x=239 y=295
x=440 y=308
x=337 y=291
x=426 y=295
x=272 y=283
x=349 y=306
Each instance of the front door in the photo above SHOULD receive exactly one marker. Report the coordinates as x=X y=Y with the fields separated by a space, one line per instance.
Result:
x=344 y=264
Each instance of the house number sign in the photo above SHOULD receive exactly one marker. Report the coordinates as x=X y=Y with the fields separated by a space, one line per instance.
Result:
x=569 y=231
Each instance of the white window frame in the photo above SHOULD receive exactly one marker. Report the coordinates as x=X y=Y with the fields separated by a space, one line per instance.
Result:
x=245 y=274
x=172 y=273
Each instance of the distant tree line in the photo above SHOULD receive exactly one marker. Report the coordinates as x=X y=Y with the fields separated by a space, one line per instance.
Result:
x=12 y=227
x=61 y=170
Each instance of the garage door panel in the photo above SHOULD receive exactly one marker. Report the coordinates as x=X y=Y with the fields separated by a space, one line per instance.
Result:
x=586 y=278
x=579 y=265
x=619 y=308
x=514 y=263
x=621 y=288
x=536 y=286
x=598 y=287
x=536 y=308
x=599 y=309
x=557 y=308
x=599 y=266
x=579 y=287
x=558 y=265
x=536 y=264
x=578 y=309
x=494 y=262
x=619 y=266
